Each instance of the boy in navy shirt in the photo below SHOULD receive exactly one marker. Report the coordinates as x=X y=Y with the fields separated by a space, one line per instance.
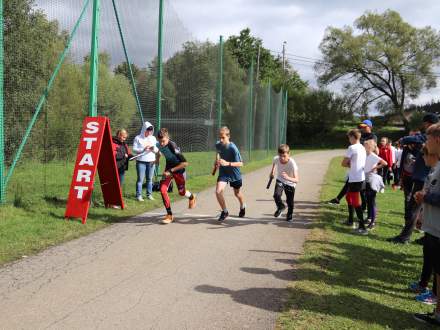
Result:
x=228 y=161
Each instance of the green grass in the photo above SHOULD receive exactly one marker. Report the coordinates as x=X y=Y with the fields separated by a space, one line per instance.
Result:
x=33 y=219
x=345 y=281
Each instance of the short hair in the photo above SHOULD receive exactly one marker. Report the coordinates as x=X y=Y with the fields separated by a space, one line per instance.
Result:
x=371 y=142
x=433 y=130
x=163 y=132
x=283 y=149
x=121 y=131
x=225 y=130
x=386 y=139
x=354 y=133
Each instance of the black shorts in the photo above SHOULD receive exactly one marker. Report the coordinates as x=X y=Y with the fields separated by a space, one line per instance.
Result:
x=355 y=186
x=234 y=184
x=433 y=244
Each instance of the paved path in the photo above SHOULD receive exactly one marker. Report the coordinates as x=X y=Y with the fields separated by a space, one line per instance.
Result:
x=192 y=274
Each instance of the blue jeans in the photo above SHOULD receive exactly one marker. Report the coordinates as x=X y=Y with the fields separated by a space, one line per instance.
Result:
x=121 y=176
x=145 y=170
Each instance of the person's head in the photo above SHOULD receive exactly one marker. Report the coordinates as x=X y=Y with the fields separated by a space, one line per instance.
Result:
x=397 y=144
x=224 y=135
x=433 y=139
x=149 y=131
x=163 y=137
x=429 y=119
x=284 y=153
x=122 y=135
x=366 y=126
x=430 y=159
x=370 y=146
x=414 y=132
x=390 y=142
x=383 y=141
x=354 y=135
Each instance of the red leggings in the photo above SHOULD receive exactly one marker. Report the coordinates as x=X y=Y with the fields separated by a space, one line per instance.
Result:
x=179 y=178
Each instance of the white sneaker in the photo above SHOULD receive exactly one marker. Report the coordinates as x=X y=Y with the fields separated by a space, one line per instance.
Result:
x=140 y=199
x=150 y=197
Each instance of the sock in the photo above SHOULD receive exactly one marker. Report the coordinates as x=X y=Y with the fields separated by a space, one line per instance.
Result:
x=360 y=216
x=243 y=206
x=350 y=213
x=169 y=211
x=225 y=210
x=188 y=194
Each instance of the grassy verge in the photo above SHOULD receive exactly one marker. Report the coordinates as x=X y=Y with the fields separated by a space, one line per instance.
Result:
x=33 y=220
x=345 y=281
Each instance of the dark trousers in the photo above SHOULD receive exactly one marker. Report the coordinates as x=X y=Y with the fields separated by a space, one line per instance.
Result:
x=396 y=172
x=410 y=210
x=290 y=194
x=354 y=203
x=385 y=173
x=427 y=270
x=370 y=196
x=343 y=191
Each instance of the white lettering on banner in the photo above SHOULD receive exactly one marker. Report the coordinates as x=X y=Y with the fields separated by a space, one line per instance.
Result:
x=89 y=141
x=86 y=160
x=83 y=174
x=80 y=192
x=92 y=127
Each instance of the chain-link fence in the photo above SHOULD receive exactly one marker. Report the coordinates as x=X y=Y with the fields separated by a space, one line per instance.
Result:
x=190 y=87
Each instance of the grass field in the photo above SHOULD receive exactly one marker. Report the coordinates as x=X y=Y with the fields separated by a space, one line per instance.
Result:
x=345 y=281
x=33 y=219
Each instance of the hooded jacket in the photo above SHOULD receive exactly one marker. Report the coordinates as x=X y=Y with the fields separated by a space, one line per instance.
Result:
x=141 y=141
x=120 y=149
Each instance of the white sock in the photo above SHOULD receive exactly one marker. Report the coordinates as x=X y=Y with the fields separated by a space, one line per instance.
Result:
x=243 y=206
x=188 y=194
x=225 y=210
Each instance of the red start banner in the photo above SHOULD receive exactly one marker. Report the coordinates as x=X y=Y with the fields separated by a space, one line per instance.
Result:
x=95 y=152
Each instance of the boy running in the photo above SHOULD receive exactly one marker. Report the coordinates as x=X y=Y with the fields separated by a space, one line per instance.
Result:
x=355 y=160
x=228 y=161
x=174 y=168
x=287 y=178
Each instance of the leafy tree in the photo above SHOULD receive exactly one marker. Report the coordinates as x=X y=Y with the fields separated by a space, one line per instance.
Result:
x=123 y=69
x=383 y=57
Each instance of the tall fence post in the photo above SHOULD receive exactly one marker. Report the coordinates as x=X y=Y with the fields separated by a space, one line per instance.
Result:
x=94 y=61
x=250 y=110
x=220 y=83
x=268 y=116
x=159 y=67
x=286 y=99
x=2 y=136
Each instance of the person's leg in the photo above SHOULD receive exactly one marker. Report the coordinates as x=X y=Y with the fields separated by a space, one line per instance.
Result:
x=239 y=194
x=121 y=173
x=219 y=194
x=277 y=193
x=140 y=171
x=164 y=184
x=410 y=222
x=354 y=191
x=368 y=196
x=341 y=194
x=427 y=266
x=149 y=173
x=363 y=200
x=180 y=180
x=290 y=195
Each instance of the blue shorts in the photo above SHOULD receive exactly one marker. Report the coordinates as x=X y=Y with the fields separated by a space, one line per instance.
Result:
x=234 y=184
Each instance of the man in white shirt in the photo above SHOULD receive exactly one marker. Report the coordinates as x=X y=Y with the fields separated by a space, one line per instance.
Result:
x=355 y=160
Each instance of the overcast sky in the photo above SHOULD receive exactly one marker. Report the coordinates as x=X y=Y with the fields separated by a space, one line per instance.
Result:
x=300 y=23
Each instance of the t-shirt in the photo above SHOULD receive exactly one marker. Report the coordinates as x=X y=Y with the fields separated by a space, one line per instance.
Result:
x=371 y=160
x=172 y=154
x=357 y=155
x=431 y=206
x=290 y=167
x=398 y=157
x=230 y=153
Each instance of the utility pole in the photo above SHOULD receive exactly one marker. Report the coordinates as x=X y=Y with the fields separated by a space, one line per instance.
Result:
x=284 y=58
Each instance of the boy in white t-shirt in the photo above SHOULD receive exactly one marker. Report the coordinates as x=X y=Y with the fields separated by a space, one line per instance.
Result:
x=373 y=182
x=286 y=180
x=355 y=160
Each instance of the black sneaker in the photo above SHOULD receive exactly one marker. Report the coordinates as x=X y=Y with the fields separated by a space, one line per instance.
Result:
x=348 y=223
x=223 y=216
x=398 y=240
x=420 y=240
x=289 y=217
x=371 y=225
x=278 y=212
x=427 y=318
x=242 y=212
x=333 y=201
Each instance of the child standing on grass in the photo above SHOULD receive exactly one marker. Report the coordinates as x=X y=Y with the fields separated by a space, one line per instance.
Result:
x=355 y=161
x=430 y=198
x=122 y=153
x=386 y=154
x=373 y=182
x=286 y=180
x=174 y=168
x=228 y=161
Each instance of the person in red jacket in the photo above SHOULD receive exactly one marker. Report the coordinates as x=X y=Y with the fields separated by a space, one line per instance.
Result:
x=386 y=153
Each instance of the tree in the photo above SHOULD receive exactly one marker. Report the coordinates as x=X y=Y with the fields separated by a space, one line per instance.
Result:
x=124 y=70
x=387 y=60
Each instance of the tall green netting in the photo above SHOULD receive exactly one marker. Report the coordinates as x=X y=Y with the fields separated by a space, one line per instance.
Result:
x=37 y=34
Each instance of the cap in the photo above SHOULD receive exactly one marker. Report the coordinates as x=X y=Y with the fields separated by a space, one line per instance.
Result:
x=366 y=122
x=431 y=118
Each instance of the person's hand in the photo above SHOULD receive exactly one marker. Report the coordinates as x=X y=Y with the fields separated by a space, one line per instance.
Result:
x=285 y=176
x=223 y=162
x=419 y=196
x=166 y=174
x=126 y=156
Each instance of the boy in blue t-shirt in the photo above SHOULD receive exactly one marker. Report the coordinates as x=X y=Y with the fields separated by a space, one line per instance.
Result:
x=228 y=161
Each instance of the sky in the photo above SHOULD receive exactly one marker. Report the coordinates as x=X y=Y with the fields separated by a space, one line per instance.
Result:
x=301 y=24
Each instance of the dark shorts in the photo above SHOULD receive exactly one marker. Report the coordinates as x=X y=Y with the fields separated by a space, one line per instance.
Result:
x=433 y=244
x=355 y=186
x=234 y=184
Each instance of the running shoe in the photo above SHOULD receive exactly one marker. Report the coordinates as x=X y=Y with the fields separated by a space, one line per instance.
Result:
x=427 y=298
x=223 y=216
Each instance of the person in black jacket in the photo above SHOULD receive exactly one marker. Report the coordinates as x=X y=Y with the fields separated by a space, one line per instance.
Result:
x=122 y=153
